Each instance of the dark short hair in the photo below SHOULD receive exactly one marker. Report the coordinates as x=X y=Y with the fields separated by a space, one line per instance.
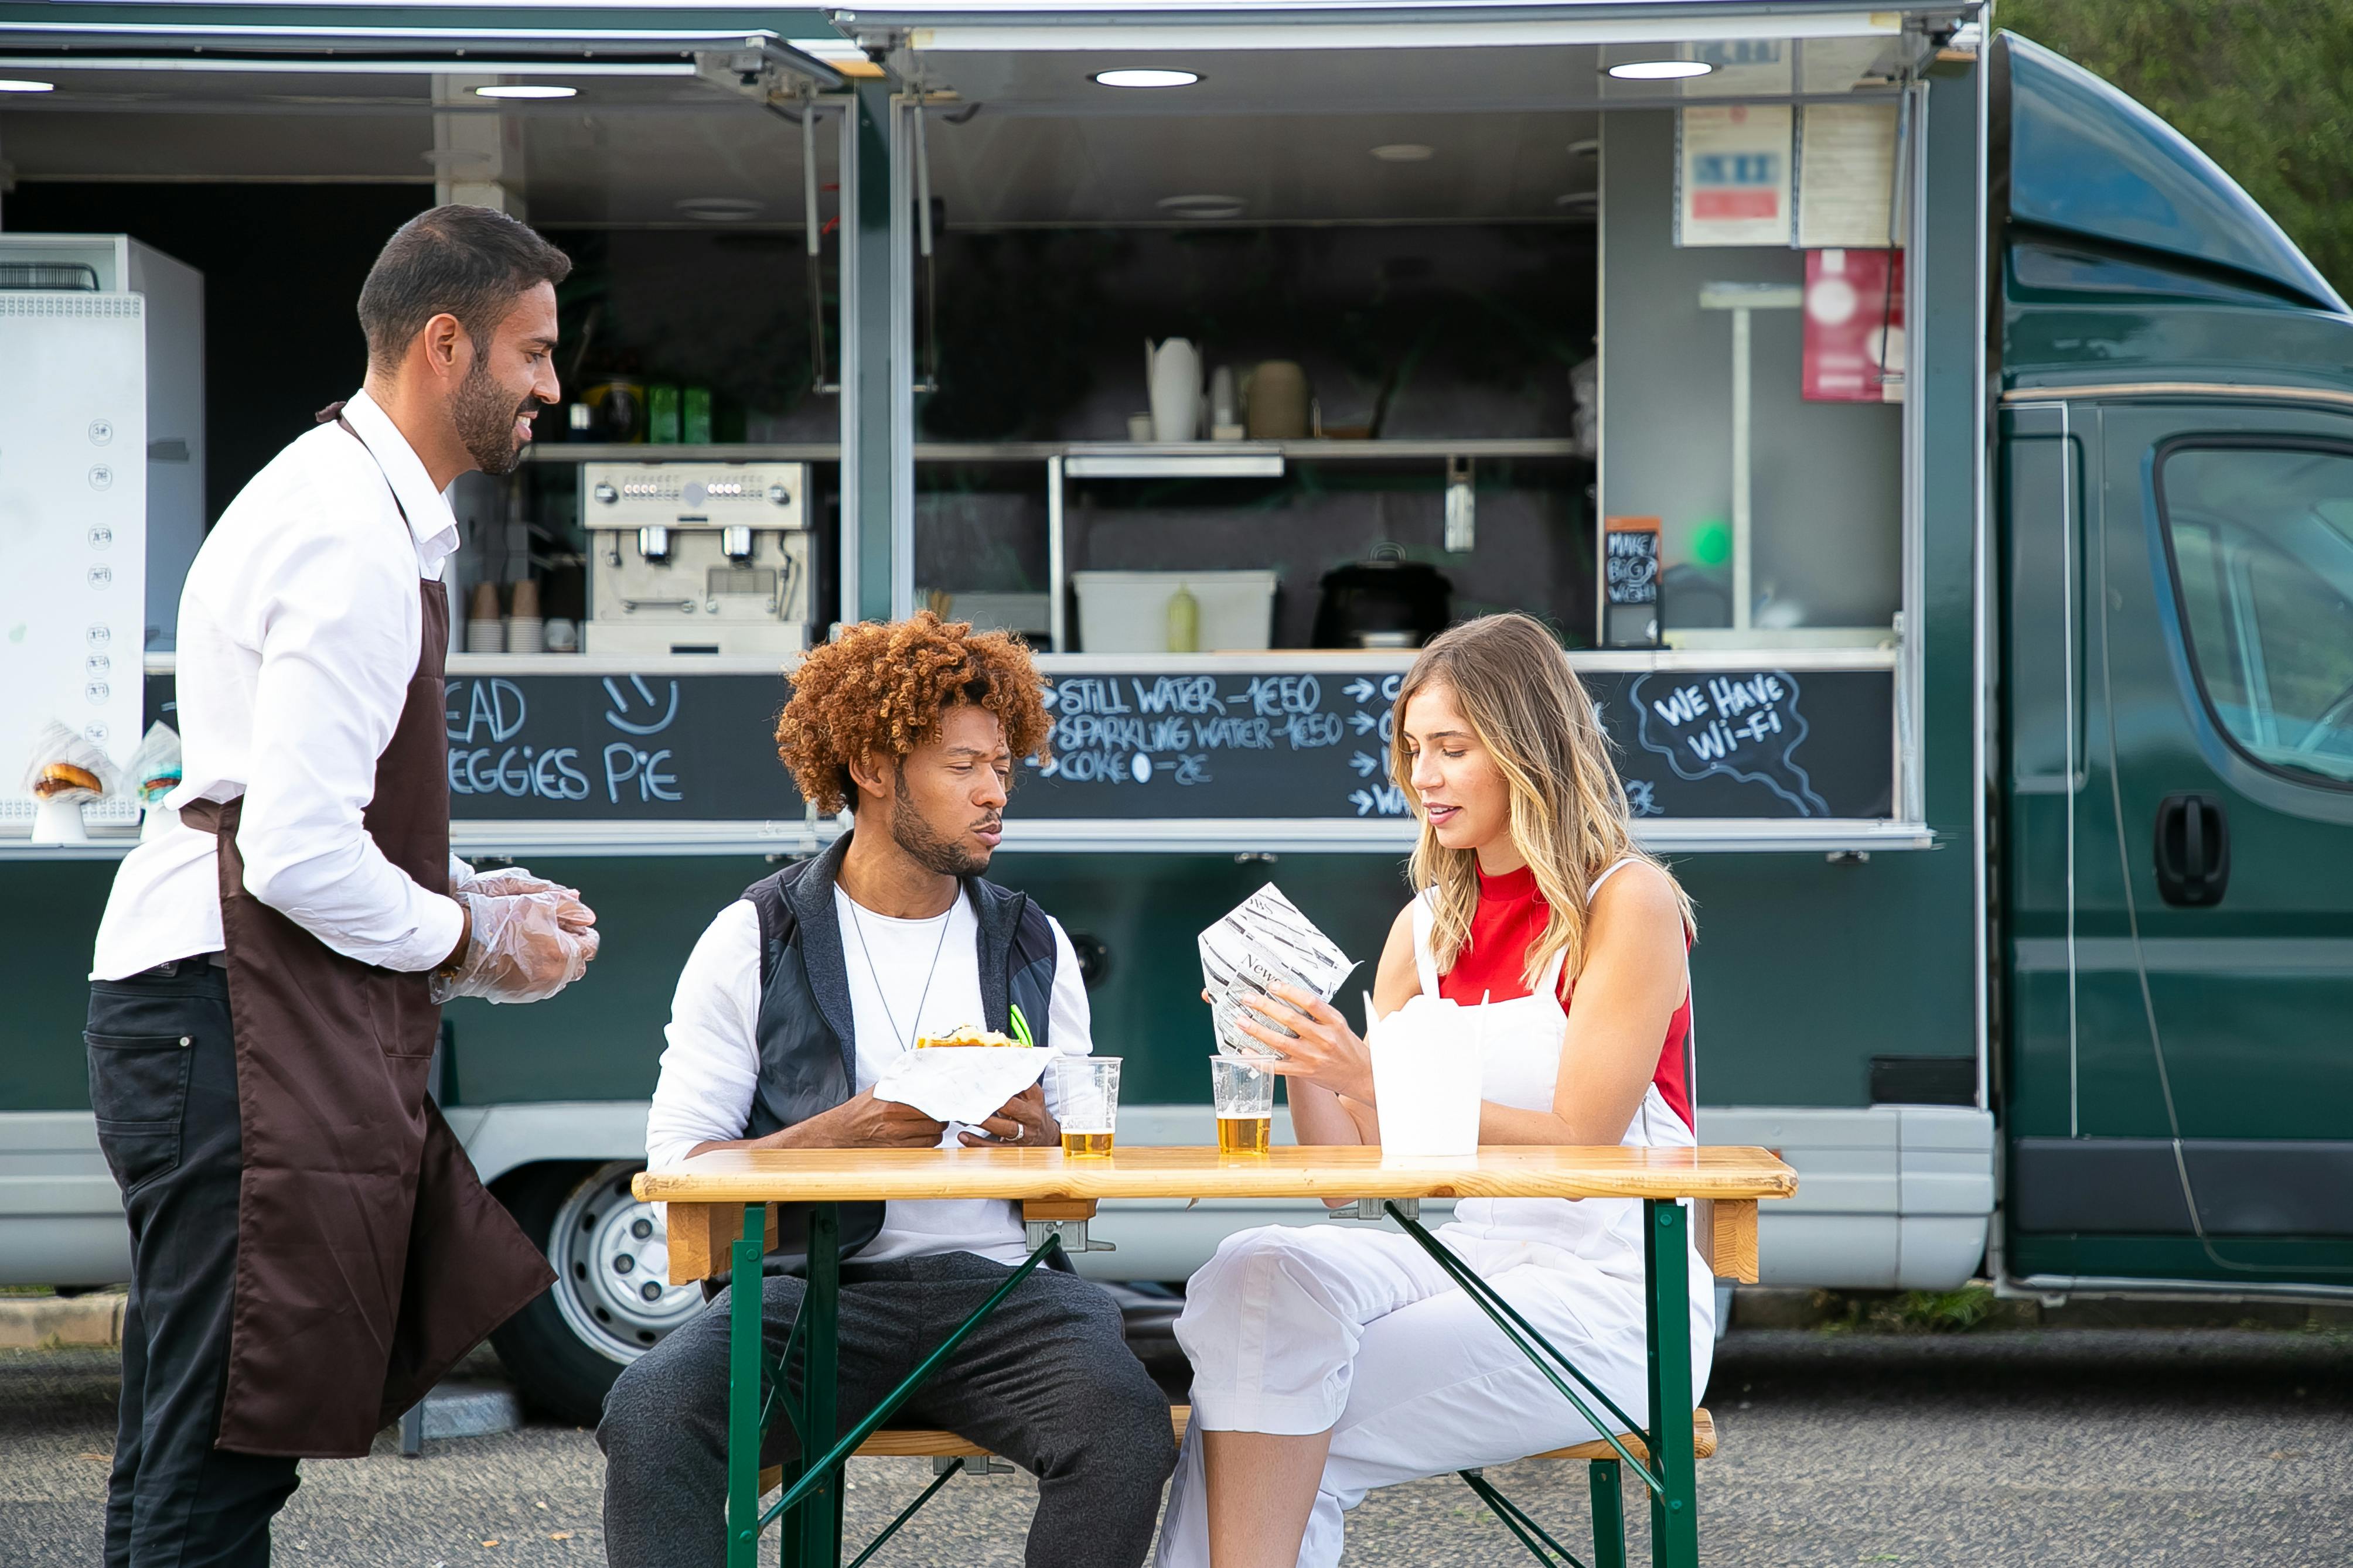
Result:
x=469 y=262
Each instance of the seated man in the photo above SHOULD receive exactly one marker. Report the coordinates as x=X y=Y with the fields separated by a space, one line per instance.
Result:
x=847 y=959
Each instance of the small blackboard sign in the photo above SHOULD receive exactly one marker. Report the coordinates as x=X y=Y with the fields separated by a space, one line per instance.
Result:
x=1630 y=560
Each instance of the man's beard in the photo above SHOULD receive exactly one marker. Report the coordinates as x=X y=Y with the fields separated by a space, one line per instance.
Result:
x=485 y=412
x=924 y=845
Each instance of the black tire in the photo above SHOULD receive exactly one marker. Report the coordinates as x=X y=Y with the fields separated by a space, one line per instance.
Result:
x=567 y=1347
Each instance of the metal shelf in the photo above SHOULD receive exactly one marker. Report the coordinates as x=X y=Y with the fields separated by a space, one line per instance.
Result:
x=1178 y=456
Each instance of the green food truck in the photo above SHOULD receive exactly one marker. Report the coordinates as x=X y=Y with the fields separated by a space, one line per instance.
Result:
x=1939 y=471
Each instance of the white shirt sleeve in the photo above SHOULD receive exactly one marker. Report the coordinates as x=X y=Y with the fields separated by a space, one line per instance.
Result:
x=1071 y=1027
x=337 y=621
x=713 y=1062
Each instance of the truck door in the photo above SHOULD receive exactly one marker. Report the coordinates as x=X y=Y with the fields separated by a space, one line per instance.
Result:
x=2228 y=658
x=2089 y=1152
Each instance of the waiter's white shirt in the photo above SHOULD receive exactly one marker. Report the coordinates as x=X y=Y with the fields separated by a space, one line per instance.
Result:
x=713 y=1062
x=299 y=629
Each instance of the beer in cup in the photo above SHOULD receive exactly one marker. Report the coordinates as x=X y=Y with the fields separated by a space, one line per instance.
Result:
x=1087 y=1091
x=1243 y=1094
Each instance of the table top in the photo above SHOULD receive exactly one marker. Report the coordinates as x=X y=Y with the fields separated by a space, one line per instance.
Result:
x=1499 y=1170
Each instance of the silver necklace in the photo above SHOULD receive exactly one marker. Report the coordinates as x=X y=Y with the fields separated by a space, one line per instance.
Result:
x=857 y=921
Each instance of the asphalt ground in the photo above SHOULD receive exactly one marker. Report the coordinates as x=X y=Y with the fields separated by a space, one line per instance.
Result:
x=2041 y=1446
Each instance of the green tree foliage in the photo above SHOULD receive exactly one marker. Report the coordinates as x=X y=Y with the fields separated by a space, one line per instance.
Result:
x=2265 y=87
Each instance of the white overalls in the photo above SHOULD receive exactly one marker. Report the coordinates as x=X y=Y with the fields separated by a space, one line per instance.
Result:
x=1297 y=1329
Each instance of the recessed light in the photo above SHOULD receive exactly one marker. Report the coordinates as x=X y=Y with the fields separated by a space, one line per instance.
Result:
x=1203 y=205
x=1405 y=153
x=719 y=209
x=526 y=91
x=1659 y=70
x=15 y=84
x=1143 y=77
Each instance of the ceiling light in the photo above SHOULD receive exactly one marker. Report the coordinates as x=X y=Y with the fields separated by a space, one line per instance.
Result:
x=526 y=91
x=1659 y=70
x=1405 y=153
x=1147 y=77
x=719 y=209
x=12 y=85
x=1203 y=205
x=1577 y=199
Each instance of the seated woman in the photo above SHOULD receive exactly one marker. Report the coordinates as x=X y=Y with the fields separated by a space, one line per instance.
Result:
x=1328 y=1361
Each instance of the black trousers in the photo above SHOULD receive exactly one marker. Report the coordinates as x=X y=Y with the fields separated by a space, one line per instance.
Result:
x=162 y=1080
x=1047 y=1381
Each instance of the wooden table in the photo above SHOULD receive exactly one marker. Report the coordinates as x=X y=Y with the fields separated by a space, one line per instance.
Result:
x=720 y=1219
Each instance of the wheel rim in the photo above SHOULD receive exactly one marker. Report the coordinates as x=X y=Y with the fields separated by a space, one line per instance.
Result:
x=611 y=1258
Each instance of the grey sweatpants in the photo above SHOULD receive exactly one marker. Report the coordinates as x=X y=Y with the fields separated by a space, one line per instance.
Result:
x=1047 y=1381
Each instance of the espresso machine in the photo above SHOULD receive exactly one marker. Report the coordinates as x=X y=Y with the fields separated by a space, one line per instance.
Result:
x=686 y=557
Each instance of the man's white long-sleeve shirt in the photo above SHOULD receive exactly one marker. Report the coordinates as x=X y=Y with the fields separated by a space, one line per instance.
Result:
x=906 y=977
x=299 y=629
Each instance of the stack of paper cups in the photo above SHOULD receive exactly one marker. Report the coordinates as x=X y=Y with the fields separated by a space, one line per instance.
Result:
x=524 y=627
x=484 y=631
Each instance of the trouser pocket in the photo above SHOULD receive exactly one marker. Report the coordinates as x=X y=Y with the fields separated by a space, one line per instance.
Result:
x=138 y=1091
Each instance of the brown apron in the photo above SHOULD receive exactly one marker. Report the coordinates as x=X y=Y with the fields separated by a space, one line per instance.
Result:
x=369 y=1257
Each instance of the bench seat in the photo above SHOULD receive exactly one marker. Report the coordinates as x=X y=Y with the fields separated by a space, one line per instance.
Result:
x=918 y=1442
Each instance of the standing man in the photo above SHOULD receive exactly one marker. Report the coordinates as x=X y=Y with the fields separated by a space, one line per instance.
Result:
x=311 y=1248
x=791 y=1006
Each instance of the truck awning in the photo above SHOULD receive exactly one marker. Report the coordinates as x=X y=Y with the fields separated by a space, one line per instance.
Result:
x=959 y=26
x=440 y=35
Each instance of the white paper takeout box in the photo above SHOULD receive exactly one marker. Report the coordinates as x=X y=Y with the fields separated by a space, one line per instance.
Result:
x=1426 y=1077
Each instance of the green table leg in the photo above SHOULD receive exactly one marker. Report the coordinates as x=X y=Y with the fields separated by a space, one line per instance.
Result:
x=744 y=1391
x=815 y=1522
x=1674 y=1508
x=1607 y=1486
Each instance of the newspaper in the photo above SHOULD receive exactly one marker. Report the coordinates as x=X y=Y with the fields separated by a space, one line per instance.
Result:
x=1263 y=942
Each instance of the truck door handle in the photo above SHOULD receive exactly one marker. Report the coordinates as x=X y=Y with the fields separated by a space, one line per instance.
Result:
x=2192 y=850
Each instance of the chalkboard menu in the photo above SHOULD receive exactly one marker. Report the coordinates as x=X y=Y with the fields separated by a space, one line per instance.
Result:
x=1730 y=744
x=642 y=748
x=605 y=748
x=1308 y=743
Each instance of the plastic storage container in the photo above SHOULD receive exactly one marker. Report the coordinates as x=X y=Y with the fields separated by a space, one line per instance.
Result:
x=1127 y=612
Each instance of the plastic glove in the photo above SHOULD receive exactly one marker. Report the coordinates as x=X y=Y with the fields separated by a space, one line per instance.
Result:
x=576 y=916
x=521 y=950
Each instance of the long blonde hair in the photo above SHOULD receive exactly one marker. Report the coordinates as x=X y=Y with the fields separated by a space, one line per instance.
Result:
x=1569 y=819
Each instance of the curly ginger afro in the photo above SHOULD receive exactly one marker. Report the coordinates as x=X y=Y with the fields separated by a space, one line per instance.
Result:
x=881 y=690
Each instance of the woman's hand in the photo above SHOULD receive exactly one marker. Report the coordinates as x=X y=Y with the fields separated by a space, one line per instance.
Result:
x=1328 y=1052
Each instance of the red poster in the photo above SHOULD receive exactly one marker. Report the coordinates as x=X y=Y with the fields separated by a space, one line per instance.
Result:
x=1854 y=326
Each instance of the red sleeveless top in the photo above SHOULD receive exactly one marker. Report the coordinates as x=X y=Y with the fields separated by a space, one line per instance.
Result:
x=1507 y=923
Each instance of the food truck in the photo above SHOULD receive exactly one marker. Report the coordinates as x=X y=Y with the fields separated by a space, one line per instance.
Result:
x=1940 y=473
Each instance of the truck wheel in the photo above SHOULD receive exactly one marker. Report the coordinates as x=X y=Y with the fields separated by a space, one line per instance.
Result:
x=611 y=1300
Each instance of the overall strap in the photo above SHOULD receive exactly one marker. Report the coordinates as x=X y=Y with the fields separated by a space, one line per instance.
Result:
x=1425 y=918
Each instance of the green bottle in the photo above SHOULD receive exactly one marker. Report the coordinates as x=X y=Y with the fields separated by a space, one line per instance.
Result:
x=1184 y=621
x=661 y=423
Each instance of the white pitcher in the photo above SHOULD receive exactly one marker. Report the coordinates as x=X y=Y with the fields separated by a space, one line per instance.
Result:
x=1173 y=372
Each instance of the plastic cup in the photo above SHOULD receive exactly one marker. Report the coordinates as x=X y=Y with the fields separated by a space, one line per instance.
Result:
x=1086 y=1093
x=1242 y=1093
